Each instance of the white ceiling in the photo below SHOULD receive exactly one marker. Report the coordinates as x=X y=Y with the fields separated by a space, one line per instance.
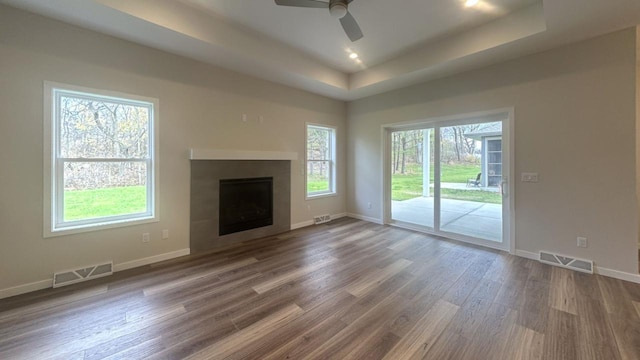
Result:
x=405 y=42
x=390 y=27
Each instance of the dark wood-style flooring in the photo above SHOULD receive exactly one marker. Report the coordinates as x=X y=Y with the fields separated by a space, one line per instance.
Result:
x=345 y=290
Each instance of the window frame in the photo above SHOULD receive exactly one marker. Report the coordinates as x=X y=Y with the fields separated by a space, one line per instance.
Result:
x=54 y=224
x=331 y=160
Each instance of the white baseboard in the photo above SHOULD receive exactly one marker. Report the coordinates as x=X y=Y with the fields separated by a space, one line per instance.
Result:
x=338 y=216
x=365 y=218
x=23 y=289
x=527 y=254
x=301 y=224
x=44 y=284
x=150 y=260
x=310 y=222
x=635 y=278
x=621 y=275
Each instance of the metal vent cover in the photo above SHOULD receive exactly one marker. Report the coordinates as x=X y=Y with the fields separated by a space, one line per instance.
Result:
x=566 y=262
x=83 y=274
x=321 y=219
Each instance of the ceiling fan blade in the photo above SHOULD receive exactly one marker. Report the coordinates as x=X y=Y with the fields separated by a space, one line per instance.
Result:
x=351 y=27
x=303 y=3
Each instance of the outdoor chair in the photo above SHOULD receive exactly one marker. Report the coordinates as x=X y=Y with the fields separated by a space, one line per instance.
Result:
x=474 y=182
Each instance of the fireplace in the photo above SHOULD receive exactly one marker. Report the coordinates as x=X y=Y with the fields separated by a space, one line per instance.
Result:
x=218 y=187
x=245 y=204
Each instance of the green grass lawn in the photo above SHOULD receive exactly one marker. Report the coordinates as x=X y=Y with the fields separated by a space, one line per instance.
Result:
x=458 y=173
x=409 y=186
x=88 y=204
x=317 y=184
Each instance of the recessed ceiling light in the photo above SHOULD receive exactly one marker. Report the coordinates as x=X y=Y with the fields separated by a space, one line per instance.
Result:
x=470 y=3
x=353 y=56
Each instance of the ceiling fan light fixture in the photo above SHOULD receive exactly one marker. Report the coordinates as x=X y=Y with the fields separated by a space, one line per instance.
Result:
x=338 y=10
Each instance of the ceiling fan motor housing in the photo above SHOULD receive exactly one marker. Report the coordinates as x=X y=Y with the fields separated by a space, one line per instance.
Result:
x=338 y=8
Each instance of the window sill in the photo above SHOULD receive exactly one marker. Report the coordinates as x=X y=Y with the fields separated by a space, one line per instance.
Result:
x=320 y=196
x=98 y=226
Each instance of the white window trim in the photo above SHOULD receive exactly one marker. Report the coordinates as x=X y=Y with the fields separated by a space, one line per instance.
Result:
x=49 y=190
x=332 y=168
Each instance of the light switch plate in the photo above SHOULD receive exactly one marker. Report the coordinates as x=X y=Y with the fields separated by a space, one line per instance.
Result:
x=529 y=177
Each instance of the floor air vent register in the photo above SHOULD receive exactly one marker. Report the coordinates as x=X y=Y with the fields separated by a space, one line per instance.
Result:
x=321 y=219
x=567 y=262
x=83 y=274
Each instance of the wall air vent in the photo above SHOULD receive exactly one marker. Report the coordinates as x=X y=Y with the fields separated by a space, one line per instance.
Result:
x=83 y=274
x=567 y=262
x=321 y=219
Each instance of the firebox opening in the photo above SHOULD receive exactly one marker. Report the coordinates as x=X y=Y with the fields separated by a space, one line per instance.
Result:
x=245 y=204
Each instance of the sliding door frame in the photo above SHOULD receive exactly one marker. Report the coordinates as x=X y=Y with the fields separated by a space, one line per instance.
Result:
x=506 y=115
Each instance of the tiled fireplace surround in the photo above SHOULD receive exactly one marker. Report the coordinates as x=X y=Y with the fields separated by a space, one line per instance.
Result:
x=209 y=167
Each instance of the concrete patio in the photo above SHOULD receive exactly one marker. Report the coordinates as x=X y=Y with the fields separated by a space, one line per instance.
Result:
x=476 y=219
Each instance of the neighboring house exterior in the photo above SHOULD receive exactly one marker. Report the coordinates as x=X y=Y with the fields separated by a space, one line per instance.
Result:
x=491 y=155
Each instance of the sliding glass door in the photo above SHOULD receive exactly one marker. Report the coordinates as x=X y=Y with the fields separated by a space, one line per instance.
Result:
x=412 y=169
x=450 y=178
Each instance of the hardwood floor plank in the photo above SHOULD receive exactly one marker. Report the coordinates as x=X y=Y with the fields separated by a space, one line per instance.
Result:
x=333 y=308
x=347 y=289
x=616 y=298
x=562 y=291
x=561 y=337
x=59 y=344
x=370 y=281
x=627 y=335
x=534 y=308
x=254 y=332
x=448 y=346
x=421 y=337
x=304 y=344
x=54 y=303
x=461 y=289
x=597 y=340
x=386 y=289
x=167 y=338
x=348 y=338
x=409 y=242
x=351 y=238
x=375 y=346
x=493 y=332
x=470 y=317
x=525 y=344
x=291 y=275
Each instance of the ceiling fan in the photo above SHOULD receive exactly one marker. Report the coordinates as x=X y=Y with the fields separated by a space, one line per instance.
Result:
x=338 y=9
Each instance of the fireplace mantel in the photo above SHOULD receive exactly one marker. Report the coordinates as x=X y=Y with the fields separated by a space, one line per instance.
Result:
x=223 y=154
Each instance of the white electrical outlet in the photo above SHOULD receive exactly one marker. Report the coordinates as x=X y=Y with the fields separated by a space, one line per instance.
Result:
x=369 y=205
x=145 y=237
x=582 y=242
x=165 y=234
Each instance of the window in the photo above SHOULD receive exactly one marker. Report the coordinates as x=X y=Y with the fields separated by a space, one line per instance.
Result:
x=321 y=142
x=100 y=159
